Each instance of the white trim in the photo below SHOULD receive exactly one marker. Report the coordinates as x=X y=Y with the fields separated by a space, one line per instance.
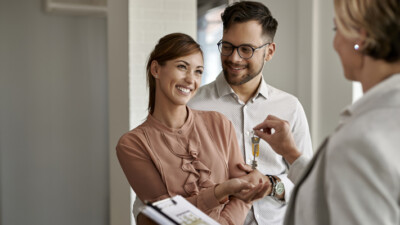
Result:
x=74 y=8
x=315 y=120
x=118 y=106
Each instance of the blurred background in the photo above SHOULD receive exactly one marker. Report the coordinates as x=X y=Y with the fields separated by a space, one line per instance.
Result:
x=72 y=81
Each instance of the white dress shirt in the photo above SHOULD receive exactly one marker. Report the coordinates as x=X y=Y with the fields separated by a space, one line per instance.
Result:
x=354 y=178
x=219 y=96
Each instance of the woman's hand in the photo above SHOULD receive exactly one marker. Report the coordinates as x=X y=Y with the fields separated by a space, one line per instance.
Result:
x=255 y=193
x=256 y=178
x=245 y=188
x=281 y=140
x=230 y=187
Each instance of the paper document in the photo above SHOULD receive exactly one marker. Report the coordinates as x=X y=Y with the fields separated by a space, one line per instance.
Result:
x=176 y=210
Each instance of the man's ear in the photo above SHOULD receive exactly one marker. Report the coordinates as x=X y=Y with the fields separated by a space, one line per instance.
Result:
x=154 y=68
x=270 y=51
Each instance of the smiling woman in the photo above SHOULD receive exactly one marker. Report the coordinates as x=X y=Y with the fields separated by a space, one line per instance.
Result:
x=170 y=47
x=180 y=151
x=177 y=81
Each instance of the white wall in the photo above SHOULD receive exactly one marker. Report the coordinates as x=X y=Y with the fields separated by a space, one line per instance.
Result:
x=54 y=131
x=148 y=22
x=332 y=92
x=281 y=71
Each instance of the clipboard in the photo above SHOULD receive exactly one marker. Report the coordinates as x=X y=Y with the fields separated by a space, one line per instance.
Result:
x=176 y=211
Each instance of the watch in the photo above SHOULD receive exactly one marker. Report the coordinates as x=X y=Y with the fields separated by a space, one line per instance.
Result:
x=278 y=188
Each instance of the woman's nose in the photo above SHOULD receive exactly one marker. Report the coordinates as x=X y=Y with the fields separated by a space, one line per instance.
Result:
x=190 y=77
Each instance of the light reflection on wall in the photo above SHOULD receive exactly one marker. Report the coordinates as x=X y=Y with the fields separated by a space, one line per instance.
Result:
x=209 y=32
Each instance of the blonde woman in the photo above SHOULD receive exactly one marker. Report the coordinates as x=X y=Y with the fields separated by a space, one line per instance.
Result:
x=354 y=177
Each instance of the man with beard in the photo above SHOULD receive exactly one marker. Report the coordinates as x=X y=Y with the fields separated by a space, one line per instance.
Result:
x=241 y=93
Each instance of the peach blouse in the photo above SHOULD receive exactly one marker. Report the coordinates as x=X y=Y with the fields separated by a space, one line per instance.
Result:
x=161 y=162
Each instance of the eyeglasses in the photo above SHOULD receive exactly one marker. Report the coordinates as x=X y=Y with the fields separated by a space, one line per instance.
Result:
x=244 y=51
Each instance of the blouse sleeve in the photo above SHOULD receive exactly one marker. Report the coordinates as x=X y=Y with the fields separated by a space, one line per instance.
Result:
x=145 y=179
x=140 y=170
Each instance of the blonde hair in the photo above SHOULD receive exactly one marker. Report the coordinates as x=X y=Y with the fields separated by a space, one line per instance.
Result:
x=381 y=21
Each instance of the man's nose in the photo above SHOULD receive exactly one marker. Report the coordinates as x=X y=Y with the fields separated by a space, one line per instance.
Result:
x=235 y=57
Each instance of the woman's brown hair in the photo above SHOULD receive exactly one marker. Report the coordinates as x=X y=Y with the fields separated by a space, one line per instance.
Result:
x=169 y=47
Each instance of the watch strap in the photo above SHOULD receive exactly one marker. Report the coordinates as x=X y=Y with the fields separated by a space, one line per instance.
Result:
x=273 y=183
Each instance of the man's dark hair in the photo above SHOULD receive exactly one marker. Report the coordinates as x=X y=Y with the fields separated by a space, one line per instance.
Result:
x=240 y=12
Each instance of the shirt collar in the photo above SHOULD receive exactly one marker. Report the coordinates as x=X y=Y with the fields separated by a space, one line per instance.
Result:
x=223 y=88
x=263 y=89
x=373 y=97
x=161 y=127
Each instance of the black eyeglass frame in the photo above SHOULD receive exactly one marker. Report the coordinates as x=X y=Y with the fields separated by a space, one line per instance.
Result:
x=237 y=48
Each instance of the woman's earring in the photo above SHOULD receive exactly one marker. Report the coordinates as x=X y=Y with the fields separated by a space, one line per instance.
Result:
x=356 y=47
x=156 y=76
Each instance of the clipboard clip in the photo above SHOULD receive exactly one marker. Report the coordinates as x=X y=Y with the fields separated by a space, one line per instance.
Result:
x=160 y=205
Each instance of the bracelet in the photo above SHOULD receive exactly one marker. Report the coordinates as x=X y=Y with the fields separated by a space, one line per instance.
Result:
x=272 y=180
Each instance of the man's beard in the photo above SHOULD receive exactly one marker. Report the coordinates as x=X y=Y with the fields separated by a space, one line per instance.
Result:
x=245 y=79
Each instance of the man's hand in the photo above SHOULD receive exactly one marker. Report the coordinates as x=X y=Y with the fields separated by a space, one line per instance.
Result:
x=281 y=140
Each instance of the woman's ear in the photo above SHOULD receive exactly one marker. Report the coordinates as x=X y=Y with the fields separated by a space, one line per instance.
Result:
x=270 y=51
x=361 y=38
x=154 y=68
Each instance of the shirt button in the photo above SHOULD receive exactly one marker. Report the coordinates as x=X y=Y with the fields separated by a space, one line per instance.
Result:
x=257 y=216
x=179 y=132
